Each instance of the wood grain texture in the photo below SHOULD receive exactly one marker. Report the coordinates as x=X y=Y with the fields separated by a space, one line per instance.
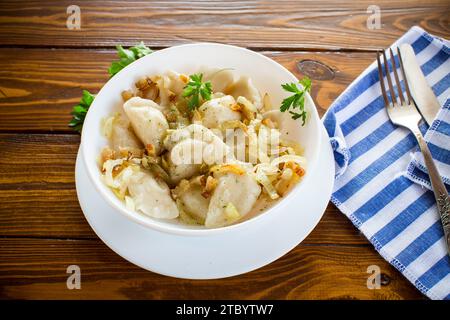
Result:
x=38 y=197
x=307 y=272
x=258 y=24
x=39 y=87
x=46 y=66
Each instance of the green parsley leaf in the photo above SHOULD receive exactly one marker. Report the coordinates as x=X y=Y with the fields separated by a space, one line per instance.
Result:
x=296 y=102
x=127 y=56
x=80 y=110
x=197 y=91
x=140 y=50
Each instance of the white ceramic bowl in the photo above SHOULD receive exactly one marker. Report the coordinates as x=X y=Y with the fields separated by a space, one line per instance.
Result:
x=266 y=74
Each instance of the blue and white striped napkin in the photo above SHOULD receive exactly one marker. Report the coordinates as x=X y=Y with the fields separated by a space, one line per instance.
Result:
x=380 y=175
x=438 y=138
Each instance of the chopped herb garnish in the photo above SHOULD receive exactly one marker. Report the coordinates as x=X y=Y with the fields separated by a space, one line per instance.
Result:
x=296 y=102
x=128 y=56
x=197 y=90
x=79 y=111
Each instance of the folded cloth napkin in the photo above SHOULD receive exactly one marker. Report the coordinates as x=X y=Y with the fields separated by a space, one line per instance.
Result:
x=438 y=138
x=378 y=165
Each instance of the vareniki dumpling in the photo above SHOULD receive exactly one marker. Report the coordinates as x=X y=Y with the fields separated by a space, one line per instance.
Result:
x=151 y=196
x=192 y=146
x=237 y=191
x=220 y=78
x=170 y=87
x=148 y=122
x=194 y=131
x=216 y=111
x=201 y=133
x=193 y=200
x=244 y=87
x=123 y=139
x=223 y=80
x=181 y=162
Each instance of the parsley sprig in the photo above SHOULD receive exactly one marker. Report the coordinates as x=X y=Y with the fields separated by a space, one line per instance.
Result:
x=296 y=102
x=127 y=56
x=197 y=90
x=79 y=111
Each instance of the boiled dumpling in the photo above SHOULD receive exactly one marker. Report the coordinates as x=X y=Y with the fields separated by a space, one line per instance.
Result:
x=181 y=161
x=195 y=203
x=216 y=111
x=233 y=191
x=220 y=78
x=151 y=196
x=170 y=87
x=197 y=132
x=244 y=87
x=140 y=102
x=148 y=121
x=193 y=130
x=123 y=139
x=192 y=146
x=223 y=80
x=192 y=200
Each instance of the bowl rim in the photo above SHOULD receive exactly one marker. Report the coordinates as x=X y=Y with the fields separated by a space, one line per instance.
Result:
x=150 y=222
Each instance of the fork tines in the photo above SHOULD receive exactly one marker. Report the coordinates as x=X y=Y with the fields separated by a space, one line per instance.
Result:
x=390 y=95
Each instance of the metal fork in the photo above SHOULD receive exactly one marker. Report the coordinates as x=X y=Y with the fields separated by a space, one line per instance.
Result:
x=402 y=112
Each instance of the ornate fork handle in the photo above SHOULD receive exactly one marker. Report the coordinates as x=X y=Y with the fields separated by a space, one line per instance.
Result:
x=440 y=192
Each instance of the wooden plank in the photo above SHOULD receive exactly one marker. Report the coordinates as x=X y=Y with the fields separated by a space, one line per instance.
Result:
x=36 y=268
x=39 y=87
x=258 y=24
x=38 y=197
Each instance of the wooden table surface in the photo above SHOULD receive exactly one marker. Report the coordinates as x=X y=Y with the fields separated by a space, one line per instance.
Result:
x=44 y=68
